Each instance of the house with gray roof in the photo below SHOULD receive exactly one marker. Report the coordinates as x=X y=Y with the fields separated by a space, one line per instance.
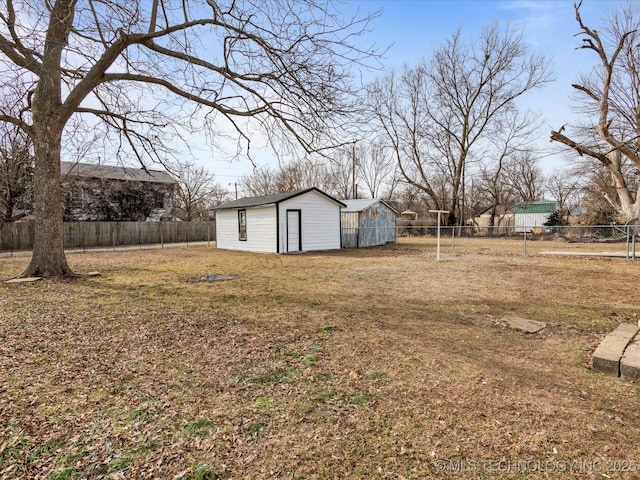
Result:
x=116 y=193
x=300 y=221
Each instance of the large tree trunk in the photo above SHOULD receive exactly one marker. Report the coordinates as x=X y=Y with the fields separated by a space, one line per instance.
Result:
x=48 y=258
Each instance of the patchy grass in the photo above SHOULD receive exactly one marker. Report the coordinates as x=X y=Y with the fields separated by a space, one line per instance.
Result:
x=377 y=363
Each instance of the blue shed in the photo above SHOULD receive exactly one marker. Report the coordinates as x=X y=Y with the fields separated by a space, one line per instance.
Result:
x=367 y=222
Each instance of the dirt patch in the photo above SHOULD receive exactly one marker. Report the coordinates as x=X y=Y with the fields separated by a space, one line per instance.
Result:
x=212 y=277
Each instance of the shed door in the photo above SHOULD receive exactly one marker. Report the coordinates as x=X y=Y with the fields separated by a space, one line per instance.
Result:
x=294 y=226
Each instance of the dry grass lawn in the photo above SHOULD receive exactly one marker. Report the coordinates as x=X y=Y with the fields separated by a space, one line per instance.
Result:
x=377 y=363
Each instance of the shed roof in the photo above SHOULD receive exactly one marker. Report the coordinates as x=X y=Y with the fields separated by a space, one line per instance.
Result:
x=360 y=204
x=111 y=172
x=271 y=199
x=534 y=207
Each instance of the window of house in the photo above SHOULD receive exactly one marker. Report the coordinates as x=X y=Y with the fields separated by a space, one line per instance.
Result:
x=158 y=200
x=76 y=197
x=242 y=225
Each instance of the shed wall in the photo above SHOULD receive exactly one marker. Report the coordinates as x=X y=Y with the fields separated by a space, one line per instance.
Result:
x=349 y=227
x=525 y=222
x=377 y=226
x=320 y=218
x=372 y=226
x=261 y=230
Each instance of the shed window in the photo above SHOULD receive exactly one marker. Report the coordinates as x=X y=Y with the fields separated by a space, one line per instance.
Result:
x=242 y=225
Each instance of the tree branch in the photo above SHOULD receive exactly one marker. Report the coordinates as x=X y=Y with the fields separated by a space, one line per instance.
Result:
x=580 y=149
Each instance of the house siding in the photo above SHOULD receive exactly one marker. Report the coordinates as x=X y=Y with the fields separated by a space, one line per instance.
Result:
x=320 y=222
x=261 y=229
x=505 y=220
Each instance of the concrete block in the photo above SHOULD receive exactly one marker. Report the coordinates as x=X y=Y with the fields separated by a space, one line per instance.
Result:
x=525 y=325
x=607 y=356
x=630 y=361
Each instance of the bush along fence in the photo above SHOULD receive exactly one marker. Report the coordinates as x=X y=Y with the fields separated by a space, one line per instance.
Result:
x=16 y=237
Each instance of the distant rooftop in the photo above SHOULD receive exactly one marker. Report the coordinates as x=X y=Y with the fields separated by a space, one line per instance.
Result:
x=89 y=170
x=534 y=207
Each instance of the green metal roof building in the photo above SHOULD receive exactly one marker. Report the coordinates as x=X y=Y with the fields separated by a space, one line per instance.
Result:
x=530 y=215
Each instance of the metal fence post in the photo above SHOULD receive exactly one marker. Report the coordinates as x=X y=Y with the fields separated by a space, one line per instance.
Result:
x=628 y=240
x=453 y=236
x=525 y=243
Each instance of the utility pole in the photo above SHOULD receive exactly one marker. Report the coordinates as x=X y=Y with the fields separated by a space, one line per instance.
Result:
x=354 y=193
x=235 y=184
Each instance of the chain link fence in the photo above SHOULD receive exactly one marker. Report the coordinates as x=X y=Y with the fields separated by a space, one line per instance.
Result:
x=18 y=237
x=578 y=233
x=615 y=240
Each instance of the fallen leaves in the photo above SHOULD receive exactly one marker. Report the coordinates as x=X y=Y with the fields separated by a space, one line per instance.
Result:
x=362 y=367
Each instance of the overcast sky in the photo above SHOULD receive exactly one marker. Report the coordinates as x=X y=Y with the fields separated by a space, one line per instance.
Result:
x=414 y=28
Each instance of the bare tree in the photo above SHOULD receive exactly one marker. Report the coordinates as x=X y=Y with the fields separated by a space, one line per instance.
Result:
x=525 y=177
x=610 y=95
x=296 y=175
x=507 y=170
x=16 y=170
x=129 y=69
x=304 y=173
x=491 y=189
x=564 y=188
x=438 y=115
x=262 y=181
x=377 y=169
x=409 y=197
x=343 y=171
x=195 y=193
x=219 y=195
x=596 y=188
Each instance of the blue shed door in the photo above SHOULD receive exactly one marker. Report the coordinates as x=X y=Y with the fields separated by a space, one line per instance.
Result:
x=294 y=227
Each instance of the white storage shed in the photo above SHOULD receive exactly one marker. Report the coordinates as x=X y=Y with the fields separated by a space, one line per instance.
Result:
x=300 y=221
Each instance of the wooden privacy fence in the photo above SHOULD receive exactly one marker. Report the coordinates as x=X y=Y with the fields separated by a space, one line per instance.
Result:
x=19 y=236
